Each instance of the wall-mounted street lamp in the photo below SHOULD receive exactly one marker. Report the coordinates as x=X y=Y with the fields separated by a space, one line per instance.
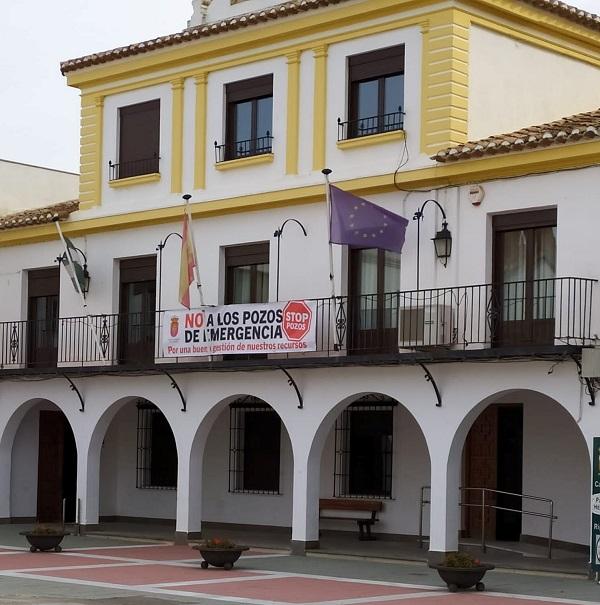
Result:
x=278 y=233
x=442 y=240
x=85 y=286
x=160 y=249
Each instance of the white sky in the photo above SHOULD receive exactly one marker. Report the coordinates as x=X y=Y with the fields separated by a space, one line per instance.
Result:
x=40 y=114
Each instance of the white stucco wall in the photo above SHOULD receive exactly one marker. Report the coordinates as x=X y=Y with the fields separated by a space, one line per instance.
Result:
x=513 y=84
x=24 y=467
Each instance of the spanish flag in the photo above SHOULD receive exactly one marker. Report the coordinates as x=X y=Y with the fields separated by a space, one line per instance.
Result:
x=188 y=261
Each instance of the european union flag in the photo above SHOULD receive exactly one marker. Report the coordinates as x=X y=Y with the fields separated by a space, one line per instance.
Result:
x=362 y=224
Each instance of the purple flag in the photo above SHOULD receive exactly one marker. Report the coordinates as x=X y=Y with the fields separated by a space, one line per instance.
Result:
x=361 y=224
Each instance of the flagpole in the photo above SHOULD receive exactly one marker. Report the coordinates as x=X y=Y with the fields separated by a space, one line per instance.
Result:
x=79 y=290
x=326 y=172
x=187 y=197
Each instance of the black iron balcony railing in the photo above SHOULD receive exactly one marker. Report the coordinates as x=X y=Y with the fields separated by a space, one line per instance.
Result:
x=521 y=315
x=243 y=149
x=362 y=127
x=124 y=170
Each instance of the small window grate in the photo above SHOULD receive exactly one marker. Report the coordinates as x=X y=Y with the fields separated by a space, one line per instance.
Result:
x=156 y=449
x=364 y=446
x=254 y=447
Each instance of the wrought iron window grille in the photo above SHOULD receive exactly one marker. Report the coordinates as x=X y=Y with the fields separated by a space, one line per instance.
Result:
x=351 y=471
x=156 y=449
x=362 y=127
x=243 y=149
x=254 y=460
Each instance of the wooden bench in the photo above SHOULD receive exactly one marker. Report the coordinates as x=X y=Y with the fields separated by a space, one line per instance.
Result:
x=353 y=506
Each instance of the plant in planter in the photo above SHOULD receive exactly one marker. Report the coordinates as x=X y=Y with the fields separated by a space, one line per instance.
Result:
x=45 y=537
x=219 y=553
x=461 y=570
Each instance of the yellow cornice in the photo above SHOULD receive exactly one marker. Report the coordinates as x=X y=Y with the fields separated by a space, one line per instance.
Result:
x=372 y=139
x=263 y=158
x=132 y=181
x=550 y=159
x=526 y=20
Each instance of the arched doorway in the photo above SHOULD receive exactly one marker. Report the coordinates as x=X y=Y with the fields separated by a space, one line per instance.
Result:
x=523 y=442
x=43 y=478
x=138 y=464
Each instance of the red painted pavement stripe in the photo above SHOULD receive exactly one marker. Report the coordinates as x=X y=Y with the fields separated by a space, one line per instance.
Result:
x=134 y=575
x=41 y=560
x=296 y=590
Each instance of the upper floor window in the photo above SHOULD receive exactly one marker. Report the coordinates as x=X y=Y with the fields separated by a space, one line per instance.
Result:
x=139 y=139
x=376 y=93
x=247 y=276
x=249 y=119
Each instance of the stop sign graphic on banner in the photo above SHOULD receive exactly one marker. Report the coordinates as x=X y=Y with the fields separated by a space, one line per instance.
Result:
x=296 y=320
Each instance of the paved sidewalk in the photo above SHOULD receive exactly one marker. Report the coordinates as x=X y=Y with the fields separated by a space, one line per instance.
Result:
x=101 y=571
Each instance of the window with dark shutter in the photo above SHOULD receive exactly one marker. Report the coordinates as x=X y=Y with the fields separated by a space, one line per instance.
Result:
x=249 y=119
x=376 y=93
x=139 y=140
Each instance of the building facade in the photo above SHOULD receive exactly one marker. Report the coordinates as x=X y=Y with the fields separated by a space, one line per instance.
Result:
x=430 y=380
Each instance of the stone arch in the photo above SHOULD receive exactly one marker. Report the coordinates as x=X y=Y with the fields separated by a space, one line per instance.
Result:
x=190 y=508
x=561 y=474
x=306 y=524
x=13 y=423
x=91 y=480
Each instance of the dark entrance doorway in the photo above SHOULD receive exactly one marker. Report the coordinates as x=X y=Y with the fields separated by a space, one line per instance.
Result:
x=42 y=315
x=373 y=301
x=137 y=310
x=57 y=468
x=494 y=460
x=524 y=274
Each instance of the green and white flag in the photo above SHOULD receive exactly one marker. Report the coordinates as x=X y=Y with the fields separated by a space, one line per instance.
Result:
x=73 y=266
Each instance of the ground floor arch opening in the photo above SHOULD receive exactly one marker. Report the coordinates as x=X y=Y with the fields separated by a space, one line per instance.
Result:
x=525 y=443
x=247 y=468
x=374 y=451
x=43 y=465
x=138 y=465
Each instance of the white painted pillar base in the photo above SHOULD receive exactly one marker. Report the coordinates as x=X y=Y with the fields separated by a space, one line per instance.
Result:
x=189 y=493
x=305 y=511
x=88 y=481
x=444 y=524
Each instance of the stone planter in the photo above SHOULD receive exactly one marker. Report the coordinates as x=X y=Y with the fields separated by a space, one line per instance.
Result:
x=44 y=542
x=220 y=557
x=463 y=577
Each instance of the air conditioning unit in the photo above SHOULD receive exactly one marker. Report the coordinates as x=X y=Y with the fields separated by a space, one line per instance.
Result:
x=428 y=326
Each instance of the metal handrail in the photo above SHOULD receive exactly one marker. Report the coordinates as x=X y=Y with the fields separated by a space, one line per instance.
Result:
x=550 y=516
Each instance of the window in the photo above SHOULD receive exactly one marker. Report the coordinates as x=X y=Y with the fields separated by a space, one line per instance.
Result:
x=376 y=93
x=137 y=306
x=139 y=138
x=254 y=447
x=247 y=276
x=156 y=449
x=374 y=300
x=364 y=449
x=249 y=119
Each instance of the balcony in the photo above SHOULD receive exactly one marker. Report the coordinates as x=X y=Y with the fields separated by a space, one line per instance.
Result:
x=133 y=168
x=517 y=319
x=363 y=127
x=243 y=149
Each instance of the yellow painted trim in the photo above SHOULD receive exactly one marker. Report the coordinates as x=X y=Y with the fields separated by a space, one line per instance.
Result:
x=201 y=81
x=264 y=158
x=445 y=80
x=90 y=178
x=177 y=136
x=320 y=107
x=131 y=181
x=293 y=113
x=538 y=161
x=319 y=22
x=372 y=139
